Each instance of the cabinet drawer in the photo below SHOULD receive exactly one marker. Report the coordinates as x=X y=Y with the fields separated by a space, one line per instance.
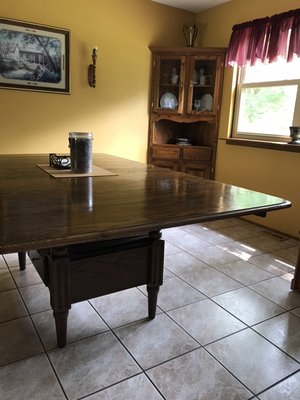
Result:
x=196 y=154
x=204 y=171
x=166 y=164
x=166 y=152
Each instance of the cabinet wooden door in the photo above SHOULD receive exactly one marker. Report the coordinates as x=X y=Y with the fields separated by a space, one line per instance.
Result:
x=204 y=76
x=168 y=84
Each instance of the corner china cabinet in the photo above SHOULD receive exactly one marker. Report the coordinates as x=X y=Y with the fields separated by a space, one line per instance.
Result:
x=185 y=106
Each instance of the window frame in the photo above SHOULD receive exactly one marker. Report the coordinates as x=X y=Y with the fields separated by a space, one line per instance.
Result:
x=249 y=136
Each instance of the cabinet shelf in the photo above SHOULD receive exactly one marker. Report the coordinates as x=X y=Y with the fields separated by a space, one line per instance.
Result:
x=200 y=76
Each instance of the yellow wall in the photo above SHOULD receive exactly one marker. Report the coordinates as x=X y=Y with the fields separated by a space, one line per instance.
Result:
x=117 y=110
x=269 y=171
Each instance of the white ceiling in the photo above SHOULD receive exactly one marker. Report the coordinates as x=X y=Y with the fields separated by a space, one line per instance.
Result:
x=192 y=5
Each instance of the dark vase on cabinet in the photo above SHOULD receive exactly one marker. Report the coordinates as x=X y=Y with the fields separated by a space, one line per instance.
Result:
x=185 y=106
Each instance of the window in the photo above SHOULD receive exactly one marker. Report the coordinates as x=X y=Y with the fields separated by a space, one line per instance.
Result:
x=267 y=101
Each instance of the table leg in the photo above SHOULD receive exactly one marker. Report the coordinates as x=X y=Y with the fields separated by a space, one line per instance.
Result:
x=61 y=320
x=156 y=273
x=295 y=285
x=59 y=286
x=152 y=300
x=22 y=260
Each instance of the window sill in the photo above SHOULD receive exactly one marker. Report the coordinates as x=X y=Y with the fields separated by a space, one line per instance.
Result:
x=281 y=146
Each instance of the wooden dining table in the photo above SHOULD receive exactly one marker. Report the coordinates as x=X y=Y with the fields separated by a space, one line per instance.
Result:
x=88 y=236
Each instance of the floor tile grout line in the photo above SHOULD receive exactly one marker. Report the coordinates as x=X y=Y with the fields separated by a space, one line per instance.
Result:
x=172 y=359
x=277 y=383
x=265 y=251
x=41 y=341
x=119 y=340
x=180 y=277
x=213 y=267
x=56 y=374
x=264 y=390
x=117 y=383
x=274 y=255
x=111 y=329
x=230 y=372
x=272 y=301
x=245 y=285
x=274 y=344
x=206 y=344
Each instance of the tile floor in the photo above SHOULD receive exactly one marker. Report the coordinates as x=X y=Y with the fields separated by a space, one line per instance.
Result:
x=227 y=326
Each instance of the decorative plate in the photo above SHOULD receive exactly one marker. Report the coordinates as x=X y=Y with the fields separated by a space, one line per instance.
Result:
x=168 y=100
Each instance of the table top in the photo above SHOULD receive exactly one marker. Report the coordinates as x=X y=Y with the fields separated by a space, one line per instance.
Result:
x=38 y=211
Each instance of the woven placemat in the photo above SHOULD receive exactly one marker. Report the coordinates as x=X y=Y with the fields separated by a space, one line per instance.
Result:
x=62 y=173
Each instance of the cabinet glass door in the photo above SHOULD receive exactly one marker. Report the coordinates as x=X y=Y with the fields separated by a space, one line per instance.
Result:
x=203 y=80
x=169 y=85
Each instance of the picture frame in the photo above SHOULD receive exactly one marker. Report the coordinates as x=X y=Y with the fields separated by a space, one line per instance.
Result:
x=34 y=57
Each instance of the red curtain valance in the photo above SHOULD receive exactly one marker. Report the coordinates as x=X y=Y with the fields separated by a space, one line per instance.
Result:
x=265 y=39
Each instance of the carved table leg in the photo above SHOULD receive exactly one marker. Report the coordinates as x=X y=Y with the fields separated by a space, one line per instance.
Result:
x=22 y=260
x=59 y=286
x=156 y=272
x=295 y=285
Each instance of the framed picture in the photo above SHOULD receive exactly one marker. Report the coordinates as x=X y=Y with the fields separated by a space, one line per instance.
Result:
x=34 y=57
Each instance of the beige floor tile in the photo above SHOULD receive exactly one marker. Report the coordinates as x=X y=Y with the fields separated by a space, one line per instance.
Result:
x=224 y=223
x=200 y=275
x=296 y=311
x=32 y=379
x=155 y=341
x=205 y=321
x=245 y=272
x=168 y=274
x=137 y=388
x=240 y=232
x=12 y=259
x=176 y=293
x=241 y=249
x=122 y=307
x=170 y=249
x=290 y=254
x=197 y=375
x=6 y=281
x=283 y=331
x=270 y=244
x=278 y=290
x=18 y=340
x=83 y=321
x=261 y=364
x=184 y=240
x=89 y=365
x=11 y=305
x=3 y=264
x=214 y=255
x=248 y=306
x=272 y=263
x=209 y=235
x=36 y=298
x=288 y=389
x=27 y=277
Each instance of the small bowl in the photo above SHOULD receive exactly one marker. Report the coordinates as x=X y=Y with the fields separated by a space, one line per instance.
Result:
x=295 y=134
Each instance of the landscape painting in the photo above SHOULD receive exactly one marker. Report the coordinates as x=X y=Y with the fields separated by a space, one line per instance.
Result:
x=34 y=57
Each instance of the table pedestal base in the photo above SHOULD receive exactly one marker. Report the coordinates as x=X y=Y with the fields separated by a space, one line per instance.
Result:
x=84 y=271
